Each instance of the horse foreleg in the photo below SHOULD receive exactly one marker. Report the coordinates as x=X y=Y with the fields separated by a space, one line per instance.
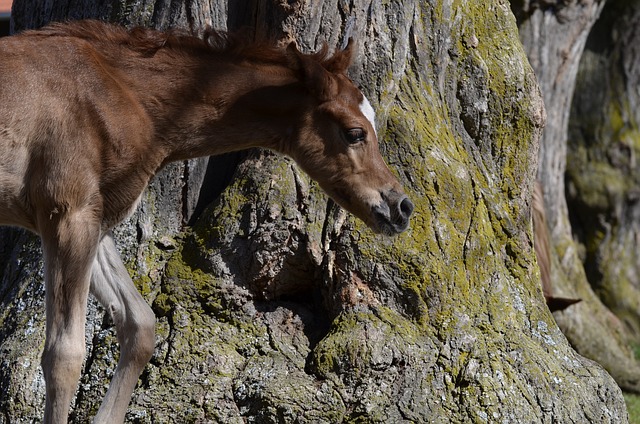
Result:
x=135 y=328
x=69 y=242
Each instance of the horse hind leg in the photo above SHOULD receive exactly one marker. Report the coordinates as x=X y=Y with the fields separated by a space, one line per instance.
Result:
x=69 y=242
x=135 y=328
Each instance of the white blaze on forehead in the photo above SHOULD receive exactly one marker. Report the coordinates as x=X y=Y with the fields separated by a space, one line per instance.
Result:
x=368 y=112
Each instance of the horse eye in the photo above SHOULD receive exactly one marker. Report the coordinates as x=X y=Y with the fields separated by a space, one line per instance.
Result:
x=355 y=135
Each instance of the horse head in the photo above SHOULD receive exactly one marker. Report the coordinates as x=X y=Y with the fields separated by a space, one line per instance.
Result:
x=338 y=144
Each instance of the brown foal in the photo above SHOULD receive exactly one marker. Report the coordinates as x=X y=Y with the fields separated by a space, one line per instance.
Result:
x=90 y=112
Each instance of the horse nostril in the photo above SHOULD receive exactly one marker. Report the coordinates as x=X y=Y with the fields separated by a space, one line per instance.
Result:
x=406 y=207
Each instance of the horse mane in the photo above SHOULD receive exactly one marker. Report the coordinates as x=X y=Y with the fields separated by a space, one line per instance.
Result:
x=147 y=42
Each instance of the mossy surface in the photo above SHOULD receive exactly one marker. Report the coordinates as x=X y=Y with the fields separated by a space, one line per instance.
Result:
x=464 y=276
x=446 y=321
x=278 y=306
x=602 y=166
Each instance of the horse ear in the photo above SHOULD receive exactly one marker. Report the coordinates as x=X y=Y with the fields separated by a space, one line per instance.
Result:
x=315 y=77
x=341 y=60
x=293 y=55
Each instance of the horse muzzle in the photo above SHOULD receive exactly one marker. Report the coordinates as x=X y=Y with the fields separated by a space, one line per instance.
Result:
x=391 y=216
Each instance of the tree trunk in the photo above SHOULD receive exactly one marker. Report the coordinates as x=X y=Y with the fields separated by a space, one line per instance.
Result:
x=554 y=34
x=603 y=175
x=277 y=306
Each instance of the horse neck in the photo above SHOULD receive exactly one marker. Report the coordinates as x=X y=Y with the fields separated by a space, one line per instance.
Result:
x=212 y=106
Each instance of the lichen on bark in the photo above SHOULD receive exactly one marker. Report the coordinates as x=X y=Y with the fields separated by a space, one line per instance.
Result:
x=584 y=225
x=277 y=306
x=602 y=171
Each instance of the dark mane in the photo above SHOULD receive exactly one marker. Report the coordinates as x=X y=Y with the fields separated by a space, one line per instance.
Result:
x=147 y=41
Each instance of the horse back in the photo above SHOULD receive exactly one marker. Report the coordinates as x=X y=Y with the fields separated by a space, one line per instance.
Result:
x=71 y=128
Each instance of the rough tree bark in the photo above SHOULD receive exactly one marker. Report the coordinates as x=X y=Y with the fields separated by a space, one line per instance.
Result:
x=554 y=34
x=276 y=306
x=603 y=174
